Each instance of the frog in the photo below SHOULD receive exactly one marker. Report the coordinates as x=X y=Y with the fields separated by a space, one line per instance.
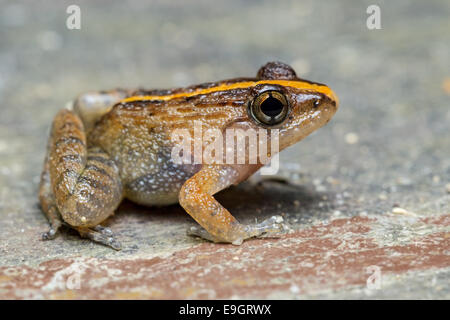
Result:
x=107 y=146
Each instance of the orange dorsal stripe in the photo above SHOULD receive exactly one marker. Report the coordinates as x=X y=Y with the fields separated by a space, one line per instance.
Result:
x=239 y=85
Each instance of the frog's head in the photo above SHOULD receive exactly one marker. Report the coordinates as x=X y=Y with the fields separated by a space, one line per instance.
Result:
x=295 y=106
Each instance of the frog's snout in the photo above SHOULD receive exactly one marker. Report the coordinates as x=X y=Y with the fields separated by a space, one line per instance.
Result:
x=329 y=104
x=326 y=106
x=333 y=99
x=328 y=101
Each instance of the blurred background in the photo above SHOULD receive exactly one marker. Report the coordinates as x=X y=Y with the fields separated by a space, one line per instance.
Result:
x=387 y=146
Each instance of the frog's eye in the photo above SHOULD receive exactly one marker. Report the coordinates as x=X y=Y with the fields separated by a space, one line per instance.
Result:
x=269 y=107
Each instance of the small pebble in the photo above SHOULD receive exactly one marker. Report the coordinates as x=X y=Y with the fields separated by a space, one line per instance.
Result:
x=294 y=289
x=351 y=138
x=398 y=210
x=363 y=214
x=447 y=187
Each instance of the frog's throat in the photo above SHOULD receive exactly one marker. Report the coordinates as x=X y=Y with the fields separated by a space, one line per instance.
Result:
x=240 y=85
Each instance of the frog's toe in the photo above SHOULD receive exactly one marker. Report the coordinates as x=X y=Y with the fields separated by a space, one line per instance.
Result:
x=114 y=243
x=268 y=228
x=272 y=226
x=101 y=235
x=103 y=230
x=197 y=231
x=50 y=234
x=55 y=225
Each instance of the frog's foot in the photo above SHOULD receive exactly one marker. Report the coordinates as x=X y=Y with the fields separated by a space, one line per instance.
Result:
x=103 y=230
x=101 y=235
x=270 y=227
x=50 y=234
x=55 y=224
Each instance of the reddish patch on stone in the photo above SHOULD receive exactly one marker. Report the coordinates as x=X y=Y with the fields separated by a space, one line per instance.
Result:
x=443 y=220
x=325 y=256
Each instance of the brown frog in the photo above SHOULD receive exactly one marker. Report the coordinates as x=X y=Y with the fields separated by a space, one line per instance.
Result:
x=119 y=144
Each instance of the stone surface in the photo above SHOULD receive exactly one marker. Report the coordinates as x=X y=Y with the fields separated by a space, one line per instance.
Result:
x=366 y=196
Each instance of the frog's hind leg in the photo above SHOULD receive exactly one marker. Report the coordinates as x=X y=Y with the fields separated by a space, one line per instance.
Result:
x=85 y=183
x=47 y=200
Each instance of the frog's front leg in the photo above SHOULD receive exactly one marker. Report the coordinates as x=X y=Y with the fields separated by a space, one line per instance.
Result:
x=79 y=184
x=196 y=197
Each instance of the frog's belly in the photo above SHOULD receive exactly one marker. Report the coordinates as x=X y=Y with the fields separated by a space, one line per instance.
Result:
x=158 y=189
x=148 y=173
x=149 y=196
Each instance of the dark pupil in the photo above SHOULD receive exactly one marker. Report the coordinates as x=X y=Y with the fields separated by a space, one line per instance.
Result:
x=271 y=107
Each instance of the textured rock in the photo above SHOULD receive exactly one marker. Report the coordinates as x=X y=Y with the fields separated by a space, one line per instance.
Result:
x=339 y=255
